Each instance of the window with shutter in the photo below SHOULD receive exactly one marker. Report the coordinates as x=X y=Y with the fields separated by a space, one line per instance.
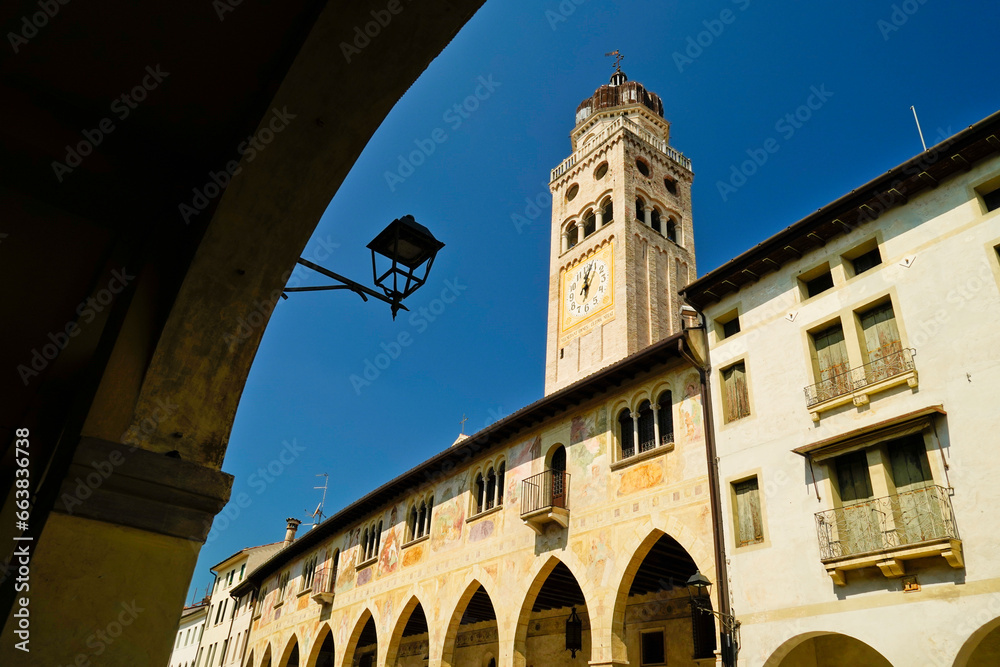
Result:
x=882 y=343
x=749 y=521
x=832 y=367
x=736 y=398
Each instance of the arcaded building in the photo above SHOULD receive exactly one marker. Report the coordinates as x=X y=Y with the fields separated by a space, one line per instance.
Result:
x=565 y=533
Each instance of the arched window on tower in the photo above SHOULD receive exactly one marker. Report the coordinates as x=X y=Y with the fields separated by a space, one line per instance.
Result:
x=572 y=236
x=666 y=418
x=655 y=220
x=609 y=211
x=589 y=224
x=625 y=433
x=647 y=431
x=672 y=230
x=640 y=210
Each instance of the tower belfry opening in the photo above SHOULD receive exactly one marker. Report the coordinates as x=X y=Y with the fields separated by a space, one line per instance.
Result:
x=614 y=280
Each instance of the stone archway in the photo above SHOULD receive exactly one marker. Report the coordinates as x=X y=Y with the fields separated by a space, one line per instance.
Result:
x=653 y=621
x=472 y=628
x=826 y=649
x=322 y=653
x=362 y=647
x=290 y=655
x=540 y=636
x=249 y=662
x=408 y=643
x=266 y=660
x=982 y=648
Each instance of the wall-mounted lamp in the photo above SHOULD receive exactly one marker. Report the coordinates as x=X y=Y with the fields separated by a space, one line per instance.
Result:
x=699 y=589
x=408 y=245
x=690 y=318
x=574 y=633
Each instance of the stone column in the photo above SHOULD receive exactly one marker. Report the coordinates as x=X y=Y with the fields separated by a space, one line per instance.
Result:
x=599 y=217
x=648 y=213
x=656 y=424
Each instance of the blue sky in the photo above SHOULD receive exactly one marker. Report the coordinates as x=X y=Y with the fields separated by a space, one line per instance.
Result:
x=729 y=72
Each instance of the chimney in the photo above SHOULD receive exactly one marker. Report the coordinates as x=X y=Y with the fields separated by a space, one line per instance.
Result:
x=293 y=525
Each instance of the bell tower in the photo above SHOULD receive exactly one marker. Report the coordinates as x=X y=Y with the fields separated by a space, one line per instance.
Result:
x=622 y=242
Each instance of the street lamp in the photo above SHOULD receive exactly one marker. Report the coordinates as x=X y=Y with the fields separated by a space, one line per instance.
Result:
x=574 y=633
x=408 y=246
x=699 y=588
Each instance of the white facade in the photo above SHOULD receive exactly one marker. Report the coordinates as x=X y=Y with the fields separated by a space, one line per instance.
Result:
x=189 y=632
x=228 y=619
x=875 y=468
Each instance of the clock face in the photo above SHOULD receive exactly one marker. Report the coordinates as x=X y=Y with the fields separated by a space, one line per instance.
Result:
x=587 y=288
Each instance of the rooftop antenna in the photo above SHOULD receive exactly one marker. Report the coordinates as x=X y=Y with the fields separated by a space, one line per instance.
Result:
x=317 y=514
x=618 y=59
x=914 y=110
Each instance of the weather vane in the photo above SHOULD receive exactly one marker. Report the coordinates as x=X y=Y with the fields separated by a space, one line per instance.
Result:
x=618 y=59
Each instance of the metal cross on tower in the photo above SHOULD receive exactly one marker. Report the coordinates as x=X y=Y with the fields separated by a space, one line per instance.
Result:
x=618 y=59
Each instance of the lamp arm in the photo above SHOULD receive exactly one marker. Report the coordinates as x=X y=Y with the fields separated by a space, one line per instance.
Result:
x=355 y=287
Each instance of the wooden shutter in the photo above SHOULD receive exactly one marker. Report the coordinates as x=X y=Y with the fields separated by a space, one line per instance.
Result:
x=737 y=400
x=881 y=334
x=748 y=514
x=832 y=364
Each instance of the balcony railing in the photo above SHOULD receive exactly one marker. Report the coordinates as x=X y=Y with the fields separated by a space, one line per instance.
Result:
x=612 y=127
x=852 y=380
x=884 y=524
x=546 y=490
x=322 y=585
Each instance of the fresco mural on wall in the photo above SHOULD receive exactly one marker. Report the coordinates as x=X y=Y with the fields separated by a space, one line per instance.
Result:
x=519 y=458
x=481 y=530
x=389 y=558
x=690 y=418
x=597 y=556
x=346 y=572
x=640 y=477
x=587 y=459
x=413 y=555
x=448 y=519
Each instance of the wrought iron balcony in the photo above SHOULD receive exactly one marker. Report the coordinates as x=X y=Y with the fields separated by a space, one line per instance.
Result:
x=853 y=380
x=545 y=499
x=322 y=585
x=885 y=531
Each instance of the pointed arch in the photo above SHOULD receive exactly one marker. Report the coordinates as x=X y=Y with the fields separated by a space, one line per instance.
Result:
x=676 y=577
x=412 y=620
x=365 y=630
x=266 y=660
x=471 y=607
x=290 y=655
x=322 y=653
x=249 y=662
x=539 y=595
